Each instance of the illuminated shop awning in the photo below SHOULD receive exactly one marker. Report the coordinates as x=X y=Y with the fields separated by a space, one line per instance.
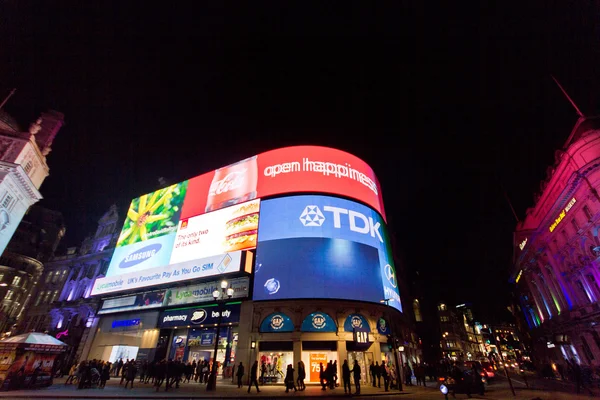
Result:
x=318 y=322
x=277 y=322
x=356 y=321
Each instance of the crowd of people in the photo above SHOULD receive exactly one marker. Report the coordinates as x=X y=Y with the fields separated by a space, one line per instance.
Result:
x=95 y=373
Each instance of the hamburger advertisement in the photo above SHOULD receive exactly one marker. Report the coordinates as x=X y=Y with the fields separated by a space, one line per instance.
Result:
x=222 y=231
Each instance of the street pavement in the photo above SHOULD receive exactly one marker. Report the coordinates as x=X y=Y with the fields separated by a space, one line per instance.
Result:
x=225 y=389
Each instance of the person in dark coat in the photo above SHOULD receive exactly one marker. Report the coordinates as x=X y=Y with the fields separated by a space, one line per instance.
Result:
x=322 y=376
x=130 y=373
x=301 y=375
x=346 y=377
x=104 y=375
x=254 y=377
x=373 y=374
x=378 y=373
x=161 y=373
x=386 y=376
x=240 y=374
x=356 y=372
x=290 y=383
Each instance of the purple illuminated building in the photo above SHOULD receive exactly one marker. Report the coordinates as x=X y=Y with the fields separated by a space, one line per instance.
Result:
x=557 y=254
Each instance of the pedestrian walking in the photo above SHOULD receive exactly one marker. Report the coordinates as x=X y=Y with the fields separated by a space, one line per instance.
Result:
x=356 y=373
x=290 y=383
x=130 y=373
x=346 y=377
x=254 y=377
x=240 y=374
x=301 y=375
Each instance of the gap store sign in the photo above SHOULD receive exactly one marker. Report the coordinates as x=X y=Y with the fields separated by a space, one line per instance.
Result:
x=323 y=247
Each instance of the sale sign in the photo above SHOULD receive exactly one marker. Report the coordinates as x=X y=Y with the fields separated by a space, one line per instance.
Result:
x=316 y=359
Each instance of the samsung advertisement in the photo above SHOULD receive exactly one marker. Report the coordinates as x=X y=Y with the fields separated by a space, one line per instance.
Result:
x=323 y=247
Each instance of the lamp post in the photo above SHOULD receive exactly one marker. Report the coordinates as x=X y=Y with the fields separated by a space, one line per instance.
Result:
x=394 y=352
x=225 y=293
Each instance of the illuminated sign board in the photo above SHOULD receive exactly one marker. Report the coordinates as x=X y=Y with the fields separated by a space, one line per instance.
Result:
x=194 y=228
x=519 y=276
x=199 y=316
x=523 y=243
x=312 y=246
x=198 y=247
x=562 y=214
x=123 y=323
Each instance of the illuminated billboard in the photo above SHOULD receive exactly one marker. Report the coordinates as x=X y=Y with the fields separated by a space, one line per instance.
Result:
x=312 y=246
x=193 y=229
x=197 y=247
x=297 y=169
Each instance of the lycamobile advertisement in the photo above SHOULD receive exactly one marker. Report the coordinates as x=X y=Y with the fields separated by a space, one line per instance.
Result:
x=323 y=247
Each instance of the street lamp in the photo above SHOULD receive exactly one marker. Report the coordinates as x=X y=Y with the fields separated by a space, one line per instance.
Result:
x=225 y=293
x=394 y=350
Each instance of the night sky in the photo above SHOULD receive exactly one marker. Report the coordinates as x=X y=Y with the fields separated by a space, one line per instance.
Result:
x=450 y=106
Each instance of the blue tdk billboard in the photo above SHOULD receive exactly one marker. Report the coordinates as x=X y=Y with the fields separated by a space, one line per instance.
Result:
x=323 y=247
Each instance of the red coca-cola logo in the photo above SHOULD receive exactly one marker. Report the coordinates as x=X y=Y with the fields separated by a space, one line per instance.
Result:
x=232 y=181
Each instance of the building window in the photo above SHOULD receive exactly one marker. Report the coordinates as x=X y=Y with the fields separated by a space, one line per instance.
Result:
x=9 y=295
x=46 y=296
x=16 y=281
x=596 y=338
x=7 y=201
x=1 y=277
x=593 y=284
x=587 y=212
x=444 y=318
x=586 y=349
x=565 y=236
x=417 y=311
x=575 y=225
x=54 y=296
x=450 y=343
x=583 y=292
x=48 y=277
x=38 y=299
x=64 y=275
x=28 y=167
x=442 y=307
x=55 y=276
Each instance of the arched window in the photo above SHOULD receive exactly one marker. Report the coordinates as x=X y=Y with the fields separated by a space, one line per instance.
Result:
x=417 y=311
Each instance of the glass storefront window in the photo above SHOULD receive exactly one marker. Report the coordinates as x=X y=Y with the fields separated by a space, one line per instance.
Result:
x=313 y=358
x=364 y=360
x=276 y=364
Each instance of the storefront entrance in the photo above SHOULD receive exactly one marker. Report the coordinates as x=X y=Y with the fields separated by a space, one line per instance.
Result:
x=364 y=358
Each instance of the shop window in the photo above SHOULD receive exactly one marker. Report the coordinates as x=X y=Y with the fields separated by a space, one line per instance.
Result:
x=16 y=281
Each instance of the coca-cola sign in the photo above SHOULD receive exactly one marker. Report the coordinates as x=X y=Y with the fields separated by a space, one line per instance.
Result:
x=299 y=169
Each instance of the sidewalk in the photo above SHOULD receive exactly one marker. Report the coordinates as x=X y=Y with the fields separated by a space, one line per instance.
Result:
x=225 y=389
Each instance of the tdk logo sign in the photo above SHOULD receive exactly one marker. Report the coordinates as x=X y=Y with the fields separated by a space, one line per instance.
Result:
x=140 y=255
x=360 y=223
x=312 y=216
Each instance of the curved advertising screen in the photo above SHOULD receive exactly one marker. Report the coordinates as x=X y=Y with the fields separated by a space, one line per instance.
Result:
x=312 y=246
x=196 y=228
